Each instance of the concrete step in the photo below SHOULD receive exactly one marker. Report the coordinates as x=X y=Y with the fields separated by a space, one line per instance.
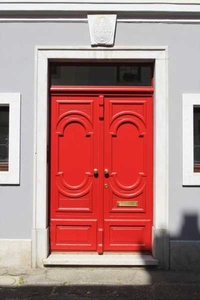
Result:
x=93 y=259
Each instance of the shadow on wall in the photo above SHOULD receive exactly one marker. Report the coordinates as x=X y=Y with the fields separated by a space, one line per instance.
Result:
x=185 y=247
x=189 y=229
x=118 y=282
x=180 y=252
x=91 y=283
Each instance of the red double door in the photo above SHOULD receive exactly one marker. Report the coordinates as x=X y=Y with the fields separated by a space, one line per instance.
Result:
x=101 y=171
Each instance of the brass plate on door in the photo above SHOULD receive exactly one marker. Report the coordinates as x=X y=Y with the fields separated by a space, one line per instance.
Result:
x=127 y=203
x=105 y=185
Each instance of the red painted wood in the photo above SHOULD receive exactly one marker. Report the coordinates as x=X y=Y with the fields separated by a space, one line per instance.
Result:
x=74 y=155
x=128 y=155
x=104 y=130
x=73 y=234
x=127 y=234
x=104 y=89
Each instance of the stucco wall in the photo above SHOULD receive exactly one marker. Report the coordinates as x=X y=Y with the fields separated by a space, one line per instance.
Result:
x=17 y=42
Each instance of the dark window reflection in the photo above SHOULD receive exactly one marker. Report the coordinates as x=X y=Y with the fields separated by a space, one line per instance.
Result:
x=196 y=139
x=130 y=74
x=4 y=138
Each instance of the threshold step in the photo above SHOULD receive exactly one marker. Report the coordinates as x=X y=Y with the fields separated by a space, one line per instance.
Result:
x=93 y=259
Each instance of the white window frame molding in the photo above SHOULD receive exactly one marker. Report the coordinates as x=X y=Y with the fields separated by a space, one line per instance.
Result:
x=40 y=233
x=12 y=176
x=190 y=178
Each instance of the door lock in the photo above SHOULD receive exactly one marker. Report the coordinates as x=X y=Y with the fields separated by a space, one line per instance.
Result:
x=96 y=171
x=106 y=172
x=105 y=185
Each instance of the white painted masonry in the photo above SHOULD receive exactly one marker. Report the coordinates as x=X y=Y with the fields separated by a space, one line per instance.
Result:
x=20 y=257
x=143 y=6
x=189 y=101
x=12 y=176
x=40 y=236
x=96 y=24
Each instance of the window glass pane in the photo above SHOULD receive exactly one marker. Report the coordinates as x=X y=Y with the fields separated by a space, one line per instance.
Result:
x=196 y=139
x=4 y=137
x=131 y=74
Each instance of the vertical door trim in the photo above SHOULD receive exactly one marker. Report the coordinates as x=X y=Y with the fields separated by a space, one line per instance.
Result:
x=40 y=234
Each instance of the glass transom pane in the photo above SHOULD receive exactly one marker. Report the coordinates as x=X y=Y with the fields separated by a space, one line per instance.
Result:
x=131 y=74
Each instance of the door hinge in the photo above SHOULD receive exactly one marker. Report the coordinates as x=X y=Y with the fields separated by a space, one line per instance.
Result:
x=101 y=107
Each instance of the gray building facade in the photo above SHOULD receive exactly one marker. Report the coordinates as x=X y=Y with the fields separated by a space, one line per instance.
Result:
x=163 y=33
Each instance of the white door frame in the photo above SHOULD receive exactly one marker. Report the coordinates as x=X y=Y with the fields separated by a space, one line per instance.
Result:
x=40 y=236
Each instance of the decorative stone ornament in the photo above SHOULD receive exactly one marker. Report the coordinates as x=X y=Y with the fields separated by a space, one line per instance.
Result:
x=102 y=29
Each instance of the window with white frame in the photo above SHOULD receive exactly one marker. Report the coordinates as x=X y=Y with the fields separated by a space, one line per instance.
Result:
x=9 y=138
x=191 y=139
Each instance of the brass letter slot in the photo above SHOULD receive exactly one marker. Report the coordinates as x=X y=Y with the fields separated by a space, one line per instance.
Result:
x=127 y=203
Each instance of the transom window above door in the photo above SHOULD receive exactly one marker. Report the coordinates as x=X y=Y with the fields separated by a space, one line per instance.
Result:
x=101 y=74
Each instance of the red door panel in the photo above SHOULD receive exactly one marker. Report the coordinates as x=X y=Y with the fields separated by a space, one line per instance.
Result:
x=74 y=153
x=109 y=211
x=127 y=235
x=128 y=158
x=72 y=235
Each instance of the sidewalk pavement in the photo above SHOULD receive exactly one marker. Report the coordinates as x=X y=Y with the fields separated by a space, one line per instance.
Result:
x=90 y=283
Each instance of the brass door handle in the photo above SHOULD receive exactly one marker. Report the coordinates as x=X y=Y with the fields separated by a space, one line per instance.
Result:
x=106 y=172
x=96 y=171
